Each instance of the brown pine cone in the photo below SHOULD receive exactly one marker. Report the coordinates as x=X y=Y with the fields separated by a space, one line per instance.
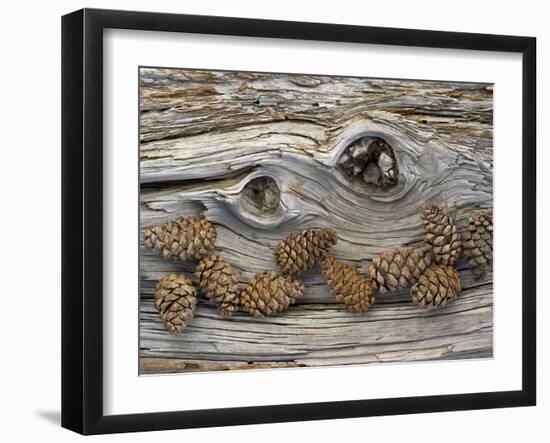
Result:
x=399 y=268
x=183 y=238
x=441 y=234
x=437 y=286
x=348 y=285
x=268 y=292
x=477 y=242
x=175 y=299
x=219 y=283
x=301 y=250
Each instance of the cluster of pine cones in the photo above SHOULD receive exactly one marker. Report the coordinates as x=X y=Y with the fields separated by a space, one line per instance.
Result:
x=428 y=270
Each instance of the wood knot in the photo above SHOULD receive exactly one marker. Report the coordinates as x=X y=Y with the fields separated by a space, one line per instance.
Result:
x=261 y=195
x=370 y=161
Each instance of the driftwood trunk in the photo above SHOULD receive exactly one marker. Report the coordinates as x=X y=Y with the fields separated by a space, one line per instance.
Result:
x=206 y=135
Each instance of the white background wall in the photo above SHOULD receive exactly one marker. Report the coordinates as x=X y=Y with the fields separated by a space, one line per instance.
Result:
x=30 y=218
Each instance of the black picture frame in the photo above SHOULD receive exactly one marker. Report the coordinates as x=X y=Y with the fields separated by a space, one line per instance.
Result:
x=82 y=218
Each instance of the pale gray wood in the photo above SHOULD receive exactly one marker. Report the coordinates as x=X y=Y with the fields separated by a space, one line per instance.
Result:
x=321 y=334
x=205 y=135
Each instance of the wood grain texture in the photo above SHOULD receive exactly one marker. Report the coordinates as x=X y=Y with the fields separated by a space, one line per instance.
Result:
x=206 y=135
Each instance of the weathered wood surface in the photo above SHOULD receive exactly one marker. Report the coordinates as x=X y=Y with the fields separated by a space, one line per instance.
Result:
x=205 y=135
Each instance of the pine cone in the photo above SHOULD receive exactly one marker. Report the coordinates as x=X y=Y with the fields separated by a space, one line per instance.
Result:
x=301 y=250
x=399 y=268
x=477 y=242
x=441 y=234
x=175 y=300
x=436 y=287
x=268 y=292
x=219 y=283
x=182 y=238
x=348 y=285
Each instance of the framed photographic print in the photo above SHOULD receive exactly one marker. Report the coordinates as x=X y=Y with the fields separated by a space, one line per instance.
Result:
x=309 y=220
